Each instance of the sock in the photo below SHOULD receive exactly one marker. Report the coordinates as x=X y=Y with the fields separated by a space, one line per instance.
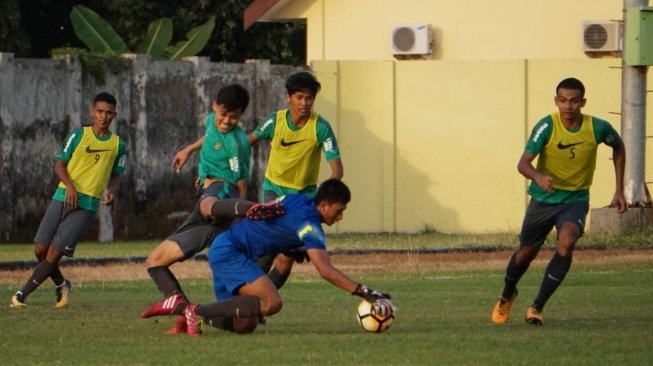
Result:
x=57 y=276
x=165 y=281
x=230 y=208
x=41 y=272
x=265 y=263
x=553 y=277
x=240 y=325
x=236 y=307
x=514 y=272
x=278 y=278
x=221 y=322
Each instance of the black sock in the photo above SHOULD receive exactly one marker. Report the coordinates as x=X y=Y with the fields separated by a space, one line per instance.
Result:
x=265 y=262
x=278 y=278
x=57 y=276
x=40 y=274
x=230 y=208
x=514 y=272
x=553 y=277
x=221 y=322
x=236 y=307
x=165 y=281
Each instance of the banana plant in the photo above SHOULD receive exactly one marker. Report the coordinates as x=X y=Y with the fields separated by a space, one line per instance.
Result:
x=100 y=37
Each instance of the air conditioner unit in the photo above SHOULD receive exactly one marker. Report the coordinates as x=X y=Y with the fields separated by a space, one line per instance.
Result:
x=411 y=39
x=602 y=36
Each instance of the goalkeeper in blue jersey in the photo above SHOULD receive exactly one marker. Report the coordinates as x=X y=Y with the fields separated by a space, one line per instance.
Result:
x=244 y=291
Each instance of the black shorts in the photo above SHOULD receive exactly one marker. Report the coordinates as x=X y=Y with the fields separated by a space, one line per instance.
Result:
x=196 y=233
x=541 y=217
x=63 y=227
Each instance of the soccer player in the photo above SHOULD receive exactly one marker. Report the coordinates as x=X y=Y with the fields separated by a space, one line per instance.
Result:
x=244 y=291
x=223 y=172
x=298 y=136
x=90 y=157
x=566 y=142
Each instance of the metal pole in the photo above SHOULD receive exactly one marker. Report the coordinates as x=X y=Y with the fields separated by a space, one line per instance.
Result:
x=633 y=123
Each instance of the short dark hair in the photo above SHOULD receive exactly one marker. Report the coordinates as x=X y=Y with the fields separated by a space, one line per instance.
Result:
x=301 y=82
x=233 y=97
x=105 y=97
x=332 y=191
x=573 y=84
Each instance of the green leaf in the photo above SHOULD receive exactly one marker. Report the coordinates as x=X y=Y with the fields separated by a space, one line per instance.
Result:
x=159 y=34
x=195 y=41
x=95 y=32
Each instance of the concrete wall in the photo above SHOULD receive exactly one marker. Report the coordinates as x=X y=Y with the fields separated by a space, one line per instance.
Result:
x=435 y=144
x=161 y=108
x=425 y=144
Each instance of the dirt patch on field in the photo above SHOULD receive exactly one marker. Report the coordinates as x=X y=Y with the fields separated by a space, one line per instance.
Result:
x=351 y=264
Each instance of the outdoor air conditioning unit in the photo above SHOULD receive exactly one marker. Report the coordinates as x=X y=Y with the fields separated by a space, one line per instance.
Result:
x=411 y=39
x=602 y=36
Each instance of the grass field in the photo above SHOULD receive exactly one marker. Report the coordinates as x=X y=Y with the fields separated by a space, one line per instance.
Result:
x=600 y=316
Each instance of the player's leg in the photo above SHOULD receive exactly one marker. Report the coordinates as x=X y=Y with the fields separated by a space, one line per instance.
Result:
x=40 y=274
x=157 y=262
x=64 y=228
x=281 y=268
x=570 y=228
x=538 y=223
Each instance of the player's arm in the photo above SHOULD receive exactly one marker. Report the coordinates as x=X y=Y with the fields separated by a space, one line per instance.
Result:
x=252 y=138
x=322 y=262
x=619 y=158
x=526 y=168
x=112 y=187
x=181 y=157
x=61 y=172
x=241 y=187
x=337 y=171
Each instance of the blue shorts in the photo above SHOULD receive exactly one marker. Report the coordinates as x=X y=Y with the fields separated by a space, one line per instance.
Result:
x=541 y=217
x=231 y=268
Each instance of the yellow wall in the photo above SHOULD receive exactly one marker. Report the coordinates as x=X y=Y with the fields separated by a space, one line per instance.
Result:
x=498 y=29
x=435 y=144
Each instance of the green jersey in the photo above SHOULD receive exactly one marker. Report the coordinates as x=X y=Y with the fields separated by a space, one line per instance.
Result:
x=224 y=156
x=540 y=140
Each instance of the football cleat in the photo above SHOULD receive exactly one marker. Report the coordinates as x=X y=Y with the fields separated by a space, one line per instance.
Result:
x=534 y=316
x=18 y=301
x=265 y=211
x=501 y=311
x=62 y=293
x=164 y=307
x=179 y=327
x=192 y=321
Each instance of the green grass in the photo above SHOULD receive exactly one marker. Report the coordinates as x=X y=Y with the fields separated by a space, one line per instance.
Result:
x=421 y=241
x=600 y=316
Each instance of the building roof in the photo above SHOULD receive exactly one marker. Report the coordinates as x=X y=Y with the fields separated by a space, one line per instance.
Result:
x=262 y=10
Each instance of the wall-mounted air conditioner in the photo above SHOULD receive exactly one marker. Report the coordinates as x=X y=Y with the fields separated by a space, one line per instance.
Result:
x=411 y=39
x=602 y=36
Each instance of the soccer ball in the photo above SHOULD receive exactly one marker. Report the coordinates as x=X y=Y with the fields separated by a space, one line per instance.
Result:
x=372 y=322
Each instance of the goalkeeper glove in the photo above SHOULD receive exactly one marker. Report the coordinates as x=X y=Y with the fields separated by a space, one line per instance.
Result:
x=369 y=294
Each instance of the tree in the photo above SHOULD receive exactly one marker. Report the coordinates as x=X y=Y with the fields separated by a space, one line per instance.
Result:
x=45 y=25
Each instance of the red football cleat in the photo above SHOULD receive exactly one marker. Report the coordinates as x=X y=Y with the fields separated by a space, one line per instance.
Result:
x=192 y=321
x=266 y=211
x=164 y=307
x=179 y=327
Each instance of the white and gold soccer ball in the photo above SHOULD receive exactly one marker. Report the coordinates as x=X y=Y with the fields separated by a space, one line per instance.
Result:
x=370 y=321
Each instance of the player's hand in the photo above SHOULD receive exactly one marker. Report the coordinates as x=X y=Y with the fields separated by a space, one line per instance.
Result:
x=383 y=307
x=71 y=200
x=179 y=160
x=619 y=202
x=545 y=182
x=369 y=294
